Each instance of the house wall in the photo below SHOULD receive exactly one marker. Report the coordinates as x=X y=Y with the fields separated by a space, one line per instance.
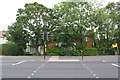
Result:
x=89 y=43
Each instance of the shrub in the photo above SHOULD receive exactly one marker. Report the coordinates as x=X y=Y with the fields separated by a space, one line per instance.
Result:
x=75 y=52
x=90 y=51
x=55 y=51
x=34 y=53
x=10 y=49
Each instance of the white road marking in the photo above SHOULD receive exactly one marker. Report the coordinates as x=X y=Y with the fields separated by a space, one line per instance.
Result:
x=94 y=74
x=29 y=77
x=18 y=63
x=38 y=68
x=103 y=61
x=97 y=77
x=32 y=60
x=90 y=70
x=115 y=65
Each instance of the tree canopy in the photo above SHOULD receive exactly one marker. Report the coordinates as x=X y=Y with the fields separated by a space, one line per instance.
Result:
x=69 y=22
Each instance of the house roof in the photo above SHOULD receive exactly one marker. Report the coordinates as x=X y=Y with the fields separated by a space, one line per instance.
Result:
x=1 y=34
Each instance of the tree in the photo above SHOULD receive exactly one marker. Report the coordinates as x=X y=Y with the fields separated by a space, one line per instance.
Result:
x=103 y=23
x=17 y=34
x=37 y=19
x=74 y=18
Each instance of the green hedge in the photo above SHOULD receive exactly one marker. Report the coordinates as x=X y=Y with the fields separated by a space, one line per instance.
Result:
x=55 y=51
x=59 y=51
x=90 y=51
x=10 y=49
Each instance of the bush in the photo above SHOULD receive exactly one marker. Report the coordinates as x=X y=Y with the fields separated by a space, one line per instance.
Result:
x=34 y=53
x=59 y=51
x=75 y=52
x=90 y=51
x=55 y=51
x=10 y=49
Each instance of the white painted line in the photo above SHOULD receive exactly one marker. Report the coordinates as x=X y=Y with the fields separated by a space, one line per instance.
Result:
x=115 y=65
x=91 y=72
x=29 y=77
x=34 y=71
x=39 y=68
x=94 y=74
x=32 y=60
x=18 y=63
x=2 y=56
x=97 y=77
x=103 y=61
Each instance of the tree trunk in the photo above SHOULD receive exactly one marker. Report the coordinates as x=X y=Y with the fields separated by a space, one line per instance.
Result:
x=36 y=50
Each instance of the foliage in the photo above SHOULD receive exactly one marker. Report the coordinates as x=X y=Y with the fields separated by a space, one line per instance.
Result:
x=74 y=18
x=90 y=51
x=18 y=35
x=69 y=22
x=11 y=49
x=34 y=53
x=75 y=52
x=54 y=51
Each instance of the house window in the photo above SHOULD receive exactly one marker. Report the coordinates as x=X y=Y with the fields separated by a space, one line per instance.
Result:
x=86 y=38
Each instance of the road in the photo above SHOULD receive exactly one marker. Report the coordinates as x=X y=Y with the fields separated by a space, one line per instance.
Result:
x=60 y=67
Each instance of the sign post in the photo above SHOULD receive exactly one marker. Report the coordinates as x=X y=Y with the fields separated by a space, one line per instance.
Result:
x=115 y=45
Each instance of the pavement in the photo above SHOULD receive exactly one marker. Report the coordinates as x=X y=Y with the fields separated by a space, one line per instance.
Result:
x=59 y=67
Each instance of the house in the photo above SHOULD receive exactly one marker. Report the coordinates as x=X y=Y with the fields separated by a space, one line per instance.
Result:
x=2 y=38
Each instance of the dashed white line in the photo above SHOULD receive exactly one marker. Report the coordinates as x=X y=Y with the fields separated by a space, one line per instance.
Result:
x=115 y=65
x=97 y=77
x=32 y=74
x=38 y=69
x=103 y=61
x=90 y=70
x=18 y=63
x=94 y=74
x=29 y=77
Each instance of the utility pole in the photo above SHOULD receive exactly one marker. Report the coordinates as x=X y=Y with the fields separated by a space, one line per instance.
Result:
x=44 y=50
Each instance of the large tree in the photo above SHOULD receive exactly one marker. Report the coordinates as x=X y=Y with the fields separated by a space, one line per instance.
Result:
x=74 y=18
x=17 y=34
x=38 y=20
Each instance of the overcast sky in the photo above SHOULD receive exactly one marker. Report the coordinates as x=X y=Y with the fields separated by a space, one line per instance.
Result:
x=8 y=9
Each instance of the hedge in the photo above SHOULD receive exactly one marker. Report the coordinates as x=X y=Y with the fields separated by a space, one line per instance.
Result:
x=11 y=49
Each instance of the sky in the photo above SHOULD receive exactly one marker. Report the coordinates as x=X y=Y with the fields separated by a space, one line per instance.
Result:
x=8 y=9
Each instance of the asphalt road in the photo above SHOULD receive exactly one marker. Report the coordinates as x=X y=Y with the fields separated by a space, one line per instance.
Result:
x=59 y=67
